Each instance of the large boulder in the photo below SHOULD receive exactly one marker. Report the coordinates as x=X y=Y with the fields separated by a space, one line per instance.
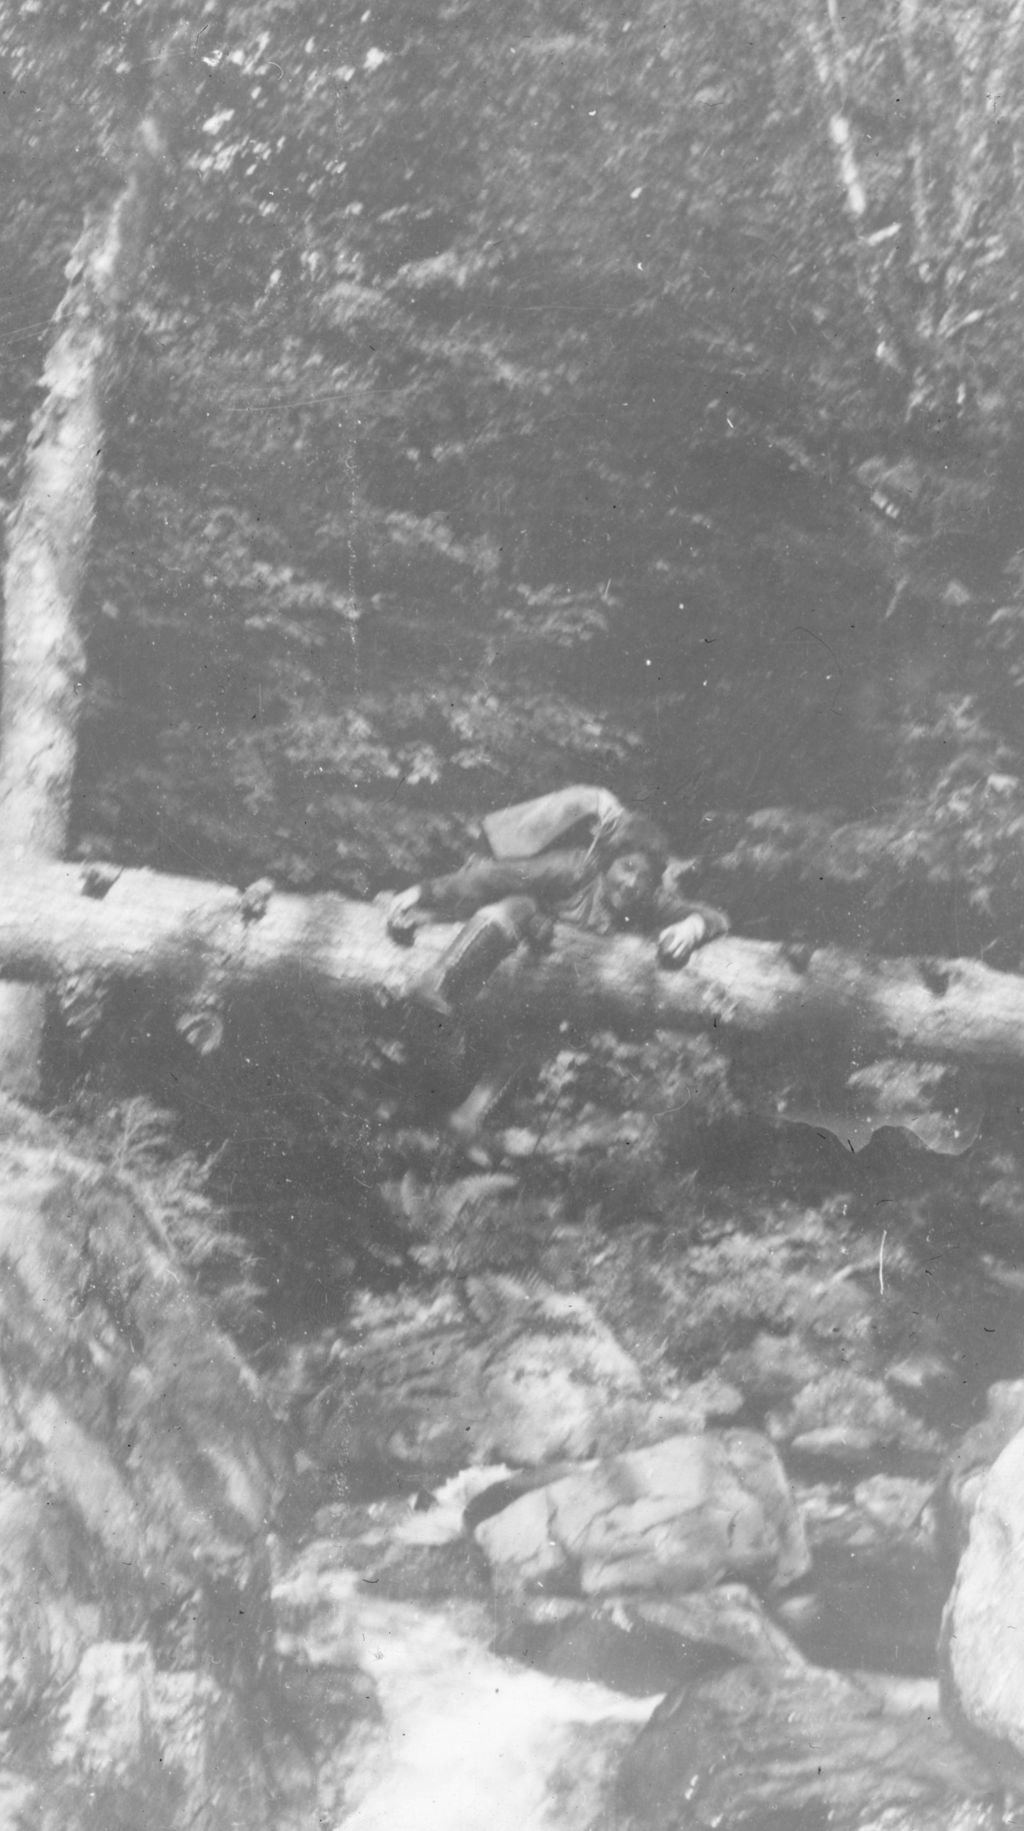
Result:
x=755 y=1746
x=966 y=1468
x=678 y=1515
x=646 y=1642
x=982 y=1639
x=141 y=1470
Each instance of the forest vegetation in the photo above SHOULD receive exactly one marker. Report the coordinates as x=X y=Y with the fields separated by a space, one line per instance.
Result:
x=469 y=401
x=654 y=422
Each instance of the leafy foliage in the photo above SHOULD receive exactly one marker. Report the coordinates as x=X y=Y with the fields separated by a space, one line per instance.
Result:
x=142 y=1144
x=592 y=435
x=536 y=394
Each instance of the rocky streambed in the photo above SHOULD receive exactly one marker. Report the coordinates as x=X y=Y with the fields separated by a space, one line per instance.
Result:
x=640 y=1604
x=621 y=1528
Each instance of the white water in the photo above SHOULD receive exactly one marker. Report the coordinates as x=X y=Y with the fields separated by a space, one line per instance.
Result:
x=469 y=1742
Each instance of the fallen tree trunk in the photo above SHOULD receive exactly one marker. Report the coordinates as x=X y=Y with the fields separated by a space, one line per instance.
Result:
x=203 y=943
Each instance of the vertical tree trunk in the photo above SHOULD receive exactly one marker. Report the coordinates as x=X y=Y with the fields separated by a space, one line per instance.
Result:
x=48 y=543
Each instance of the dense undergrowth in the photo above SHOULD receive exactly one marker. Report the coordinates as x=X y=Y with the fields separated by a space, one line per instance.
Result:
x=818 y=1287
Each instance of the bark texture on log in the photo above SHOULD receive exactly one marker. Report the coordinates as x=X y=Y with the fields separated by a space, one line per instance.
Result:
x=49 y=539
x=202 y=943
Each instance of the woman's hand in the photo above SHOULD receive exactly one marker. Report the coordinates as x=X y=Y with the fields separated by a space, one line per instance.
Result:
x=677 y=942
x=400 y=920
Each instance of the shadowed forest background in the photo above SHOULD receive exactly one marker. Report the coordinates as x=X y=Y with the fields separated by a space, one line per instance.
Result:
x=521 y=395
x=524 y=396
x=513 y=398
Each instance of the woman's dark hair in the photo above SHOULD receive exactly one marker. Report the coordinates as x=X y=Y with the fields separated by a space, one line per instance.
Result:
x=632 y=833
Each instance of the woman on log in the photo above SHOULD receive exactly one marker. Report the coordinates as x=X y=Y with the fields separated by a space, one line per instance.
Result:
x=575 y=856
